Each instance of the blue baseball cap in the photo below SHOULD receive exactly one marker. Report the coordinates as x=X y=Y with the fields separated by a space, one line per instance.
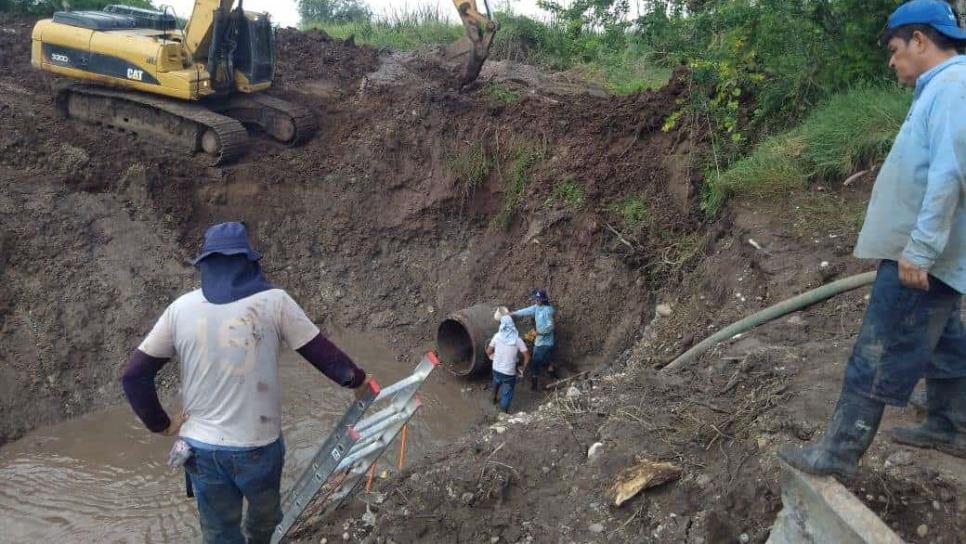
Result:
x=539 y=294
x=227 y=239
x=935 y=13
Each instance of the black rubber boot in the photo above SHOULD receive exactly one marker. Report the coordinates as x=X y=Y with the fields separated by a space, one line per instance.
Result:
x=849 y=434
x=945 y=426
x=533 y=383
x=496 y=395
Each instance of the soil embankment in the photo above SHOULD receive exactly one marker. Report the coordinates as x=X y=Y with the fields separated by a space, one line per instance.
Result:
x=375 y=225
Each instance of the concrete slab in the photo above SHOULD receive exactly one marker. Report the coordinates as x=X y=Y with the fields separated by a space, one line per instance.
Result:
x=819 y=510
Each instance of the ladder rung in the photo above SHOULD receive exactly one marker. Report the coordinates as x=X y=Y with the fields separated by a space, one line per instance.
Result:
x=398 y=386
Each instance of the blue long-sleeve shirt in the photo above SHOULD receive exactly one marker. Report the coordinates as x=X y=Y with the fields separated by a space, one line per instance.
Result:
x=542 y=315
x=916 y=210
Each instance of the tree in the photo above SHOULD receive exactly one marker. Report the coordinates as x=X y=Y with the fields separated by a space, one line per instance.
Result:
x=333 y=11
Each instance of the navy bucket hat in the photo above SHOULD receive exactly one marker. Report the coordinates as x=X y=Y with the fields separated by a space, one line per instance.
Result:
x=229 y=238
x=540 y=295
x=935 y=13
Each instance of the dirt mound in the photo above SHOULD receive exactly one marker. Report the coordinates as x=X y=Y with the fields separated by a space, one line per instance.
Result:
x=314 y=55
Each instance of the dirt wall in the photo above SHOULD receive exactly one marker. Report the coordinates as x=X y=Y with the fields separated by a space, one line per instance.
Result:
x=370 y=225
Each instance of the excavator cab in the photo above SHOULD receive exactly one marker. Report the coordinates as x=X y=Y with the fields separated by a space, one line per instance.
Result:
x=254 y=58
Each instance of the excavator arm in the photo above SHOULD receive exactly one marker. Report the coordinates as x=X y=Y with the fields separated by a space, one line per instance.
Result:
x=480 y=30
x=199 y=29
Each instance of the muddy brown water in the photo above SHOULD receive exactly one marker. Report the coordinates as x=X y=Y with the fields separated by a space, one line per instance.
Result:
x=103 y=477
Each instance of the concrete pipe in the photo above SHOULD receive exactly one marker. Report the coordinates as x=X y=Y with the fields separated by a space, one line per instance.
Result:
x=462 y=338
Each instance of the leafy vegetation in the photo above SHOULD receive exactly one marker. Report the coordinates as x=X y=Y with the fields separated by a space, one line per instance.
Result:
x=522 y=160
x=570 y=193
x=470 y=166
x=851 y=131
x=633 y=212
x=335 y=11
x=502 y=93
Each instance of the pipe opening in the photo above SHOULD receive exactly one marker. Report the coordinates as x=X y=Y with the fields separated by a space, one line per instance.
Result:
x=455 y=346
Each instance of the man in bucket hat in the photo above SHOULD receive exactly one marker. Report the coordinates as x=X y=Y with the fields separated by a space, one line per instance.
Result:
x=916 y=227
x=228 y=335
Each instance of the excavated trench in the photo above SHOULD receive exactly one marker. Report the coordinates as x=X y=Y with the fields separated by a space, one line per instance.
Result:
x=373 y=226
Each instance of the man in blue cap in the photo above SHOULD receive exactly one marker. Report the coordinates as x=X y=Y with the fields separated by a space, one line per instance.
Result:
x=542 y=313
x=916 y=227
x=228 y=335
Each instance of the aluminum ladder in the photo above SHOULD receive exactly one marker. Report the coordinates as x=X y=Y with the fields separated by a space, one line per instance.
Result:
x=340 y=464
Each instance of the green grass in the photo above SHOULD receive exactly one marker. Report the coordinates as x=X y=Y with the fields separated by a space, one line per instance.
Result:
x=621 y=68
x=502 y=93
x=570 y=193
x=401 y=31
x=633 y=212
x=852 y=131
x=625 y=72
x=523 y=158
x=470 y=166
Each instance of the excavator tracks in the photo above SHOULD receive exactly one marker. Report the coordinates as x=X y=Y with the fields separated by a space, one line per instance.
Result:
x=288 y=123
x=180 y=125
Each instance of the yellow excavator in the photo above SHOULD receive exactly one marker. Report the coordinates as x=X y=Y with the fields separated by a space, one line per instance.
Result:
x=193 y=87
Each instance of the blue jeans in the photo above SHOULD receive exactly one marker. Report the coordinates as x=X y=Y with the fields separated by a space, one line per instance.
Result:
x=503 y=385
x=907 y=334
x=541 y=358
x=221 y=478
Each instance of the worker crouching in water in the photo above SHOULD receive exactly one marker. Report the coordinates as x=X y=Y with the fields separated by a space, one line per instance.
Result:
x=503 y=349
x=228 y=335
x=542 y=313
x=916 y=226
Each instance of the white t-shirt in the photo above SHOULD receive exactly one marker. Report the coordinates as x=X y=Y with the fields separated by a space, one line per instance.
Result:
x=505 y=355
x=229 y=362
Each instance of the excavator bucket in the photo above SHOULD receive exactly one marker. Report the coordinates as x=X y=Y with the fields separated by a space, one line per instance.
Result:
x=475 y=45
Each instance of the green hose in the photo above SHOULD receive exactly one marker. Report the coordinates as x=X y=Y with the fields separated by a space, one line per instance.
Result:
x=773 y=312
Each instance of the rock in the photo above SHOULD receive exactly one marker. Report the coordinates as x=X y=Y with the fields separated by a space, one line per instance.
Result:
x=663 y=310
x=900 y=458
x=498 y=429
x=71 y=159
x=744 y=538
x=596 y=528
x=494 y=539
x=369 y=519
x=796 y=320
x=594 y=450
x=383 y=319
x=345 y=536
x=922 y=530
x=467 y=497
x=935 y=505
x=573 y=392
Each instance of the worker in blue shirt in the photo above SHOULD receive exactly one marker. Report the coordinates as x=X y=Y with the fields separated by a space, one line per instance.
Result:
x=916 y=227
x=542 y=313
